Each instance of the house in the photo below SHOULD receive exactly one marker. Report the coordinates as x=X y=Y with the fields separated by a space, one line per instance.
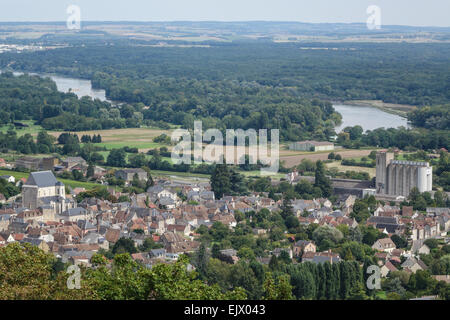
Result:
x=74 y=214
x=157 y=253
x=302 y=246
x=413 y=264
x=71 y=162
x=391 y=224
x=41 y=244
x=49 y=163
x=168 y=238
x=321 y=257
x=9 y=178
x=157 y=192
x=277 y=251
x=200 y=195
x=292 y=176
x=388 y=267
x=36 y=214
x=128 y=174
x=167 y=202
x=95 y=238
x=422 y=229
x=230 y=255
x=99 y=172
x=17 y=227
x=112 y=235
x=180 y=229
x=29 y=163
x=419 y=247
x=172 y=255
x=259 y=231
x=4 y=221
x=407 y=211
x=385 y=244
x=299 y=206
x=445 y=278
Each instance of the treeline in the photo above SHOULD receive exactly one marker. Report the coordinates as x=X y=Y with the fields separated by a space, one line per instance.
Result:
x=327 y=281
x=96 y=138
x=28 y=97
x=40 y=276
x=403 y=138
x=26 y=144
x=434 y=117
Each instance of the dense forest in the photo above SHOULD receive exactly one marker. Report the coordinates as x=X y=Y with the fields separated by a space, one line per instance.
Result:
x=225 y=106
x=34 y=98
x=392 y=72
x=434 y=117
x=233 y=85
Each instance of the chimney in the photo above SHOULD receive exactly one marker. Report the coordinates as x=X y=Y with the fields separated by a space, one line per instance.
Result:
x=98 y=223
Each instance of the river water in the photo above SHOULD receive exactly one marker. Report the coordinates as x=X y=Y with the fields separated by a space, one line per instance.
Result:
x=368 y=118
x=78 y=86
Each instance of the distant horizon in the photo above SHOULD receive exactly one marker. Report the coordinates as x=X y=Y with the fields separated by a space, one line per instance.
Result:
x=416 y=13
x=221 y=21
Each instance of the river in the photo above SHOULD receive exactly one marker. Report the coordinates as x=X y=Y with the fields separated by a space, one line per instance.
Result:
x=78 y=86
x=368 y=118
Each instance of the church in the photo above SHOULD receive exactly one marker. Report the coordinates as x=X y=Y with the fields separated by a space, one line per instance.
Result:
x=42 y=190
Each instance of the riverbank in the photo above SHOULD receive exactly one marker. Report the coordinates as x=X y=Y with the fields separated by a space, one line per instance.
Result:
x=392 y=108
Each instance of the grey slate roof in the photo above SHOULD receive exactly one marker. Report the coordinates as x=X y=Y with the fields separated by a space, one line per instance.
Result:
x=42 y=179
x=75 y=211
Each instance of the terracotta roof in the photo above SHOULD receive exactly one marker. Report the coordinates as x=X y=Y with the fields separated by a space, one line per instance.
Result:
x=390 y=266
x=18 y=236
x=112 y=235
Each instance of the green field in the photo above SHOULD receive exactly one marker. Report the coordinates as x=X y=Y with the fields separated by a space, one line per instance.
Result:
x=257 y=173
x=179 y=174
x=121 y=144
x=31 y=129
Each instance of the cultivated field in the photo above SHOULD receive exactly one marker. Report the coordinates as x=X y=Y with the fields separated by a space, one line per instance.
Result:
x=341 y=168
x=141 y=138
x=290 y=161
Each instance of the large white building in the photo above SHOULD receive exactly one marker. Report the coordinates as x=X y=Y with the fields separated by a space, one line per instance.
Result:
x=42 y=190
x=311 y=146
x=398 y=177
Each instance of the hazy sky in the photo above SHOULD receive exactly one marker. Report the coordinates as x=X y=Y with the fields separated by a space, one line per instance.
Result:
x=393 y=12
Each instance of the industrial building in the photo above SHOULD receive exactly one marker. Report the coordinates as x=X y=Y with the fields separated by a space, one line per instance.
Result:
x=398 y=177
x=311 y=146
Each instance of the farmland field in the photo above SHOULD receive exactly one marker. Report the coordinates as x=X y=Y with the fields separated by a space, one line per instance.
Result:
x=141 y=138
x=290 y=161
x=341 y=168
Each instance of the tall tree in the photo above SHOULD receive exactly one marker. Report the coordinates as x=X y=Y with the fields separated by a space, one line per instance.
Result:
x=221 y=181
x=322 y=181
